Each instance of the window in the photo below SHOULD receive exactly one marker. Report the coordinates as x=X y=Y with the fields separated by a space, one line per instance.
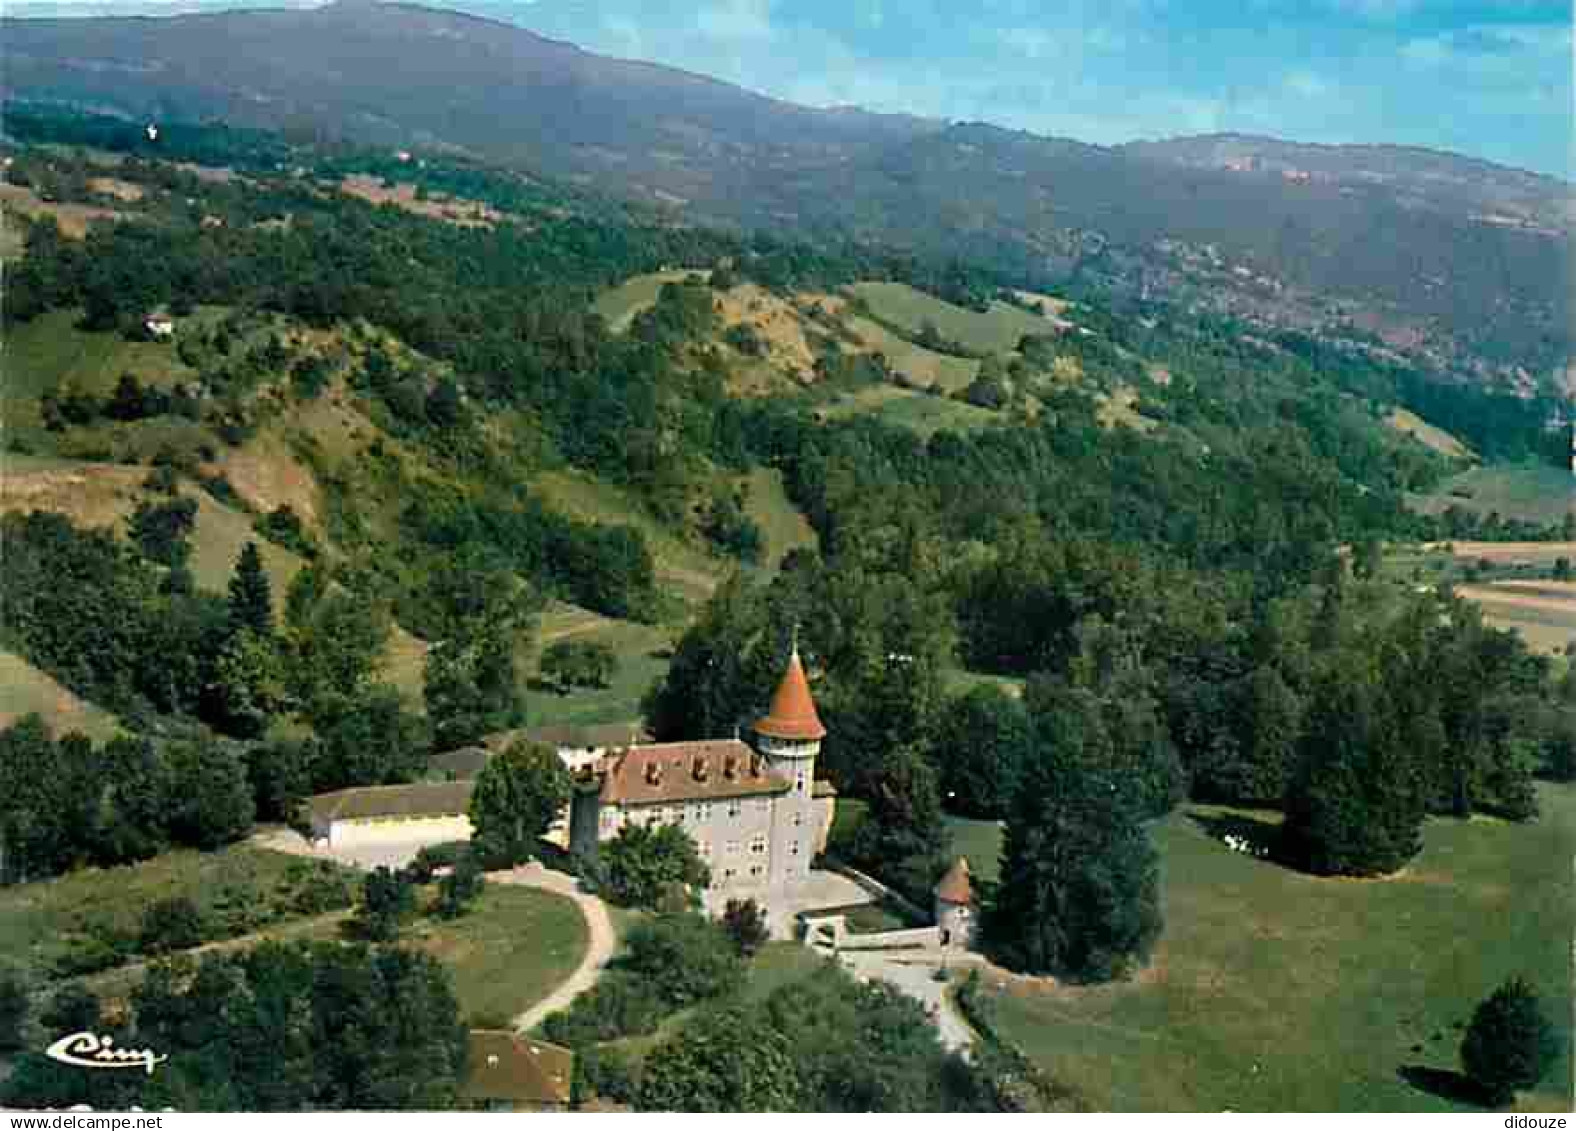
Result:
x=703 y=849
x=793 y=849
x=758 y=845
x=755 y=871
x=733 y=848
x=801 y=781
x=798 y=817
x=734 y=809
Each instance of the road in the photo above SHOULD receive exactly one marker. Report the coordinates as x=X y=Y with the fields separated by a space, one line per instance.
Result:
x=913 y=974
x=602 y=940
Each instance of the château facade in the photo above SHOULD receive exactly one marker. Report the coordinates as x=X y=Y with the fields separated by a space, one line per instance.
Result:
x=755 y=810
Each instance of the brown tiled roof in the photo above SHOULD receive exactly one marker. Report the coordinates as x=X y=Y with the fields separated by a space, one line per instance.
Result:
x=955 y=886
x=792 y=715
x=686 y=771
x=506 y=1066
x=423 y=799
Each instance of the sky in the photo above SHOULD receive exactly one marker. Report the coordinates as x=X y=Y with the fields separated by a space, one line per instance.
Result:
x=1489 y=78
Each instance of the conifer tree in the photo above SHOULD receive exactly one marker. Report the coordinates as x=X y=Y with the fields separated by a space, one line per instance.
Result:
x=251 y=595
x=1079 y=889
x=1510 y=1044
x=1355 y=806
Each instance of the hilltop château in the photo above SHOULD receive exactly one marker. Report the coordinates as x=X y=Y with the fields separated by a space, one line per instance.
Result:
x=755 y=811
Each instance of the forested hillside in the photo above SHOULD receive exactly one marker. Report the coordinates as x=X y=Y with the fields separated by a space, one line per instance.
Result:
x=1441 y=256
x=321 y=459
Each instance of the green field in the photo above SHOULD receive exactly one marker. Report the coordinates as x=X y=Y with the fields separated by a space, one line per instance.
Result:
x=1533 y=493
x=783 y=524
x=639 y=666
x=621 y=304
x=1275 y=991
x=996 y=332
x=921 y=365
x=25 y=690
x=682 y=567
x=920 y=412
x=514 y=948
x=37 y=920
x=1408 y=423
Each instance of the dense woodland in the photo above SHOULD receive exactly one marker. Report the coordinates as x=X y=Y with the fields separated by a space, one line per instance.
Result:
x=1194 y=614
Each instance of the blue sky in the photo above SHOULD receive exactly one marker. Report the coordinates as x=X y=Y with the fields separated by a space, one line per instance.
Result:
x=1492 y=79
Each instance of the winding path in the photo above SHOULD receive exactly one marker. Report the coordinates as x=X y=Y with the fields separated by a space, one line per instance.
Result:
x=602 y=940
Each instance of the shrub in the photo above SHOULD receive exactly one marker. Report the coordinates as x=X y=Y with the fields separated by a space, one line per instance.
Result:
x=13 y=1011
x=641 y=865
x=461 y=888
x=171 y=924
x=745 y=923
x=387 y=898
x=686 y=956
x=621 y=1004
x=73 y=1009
x=1509 y=1044
x=605 y=1073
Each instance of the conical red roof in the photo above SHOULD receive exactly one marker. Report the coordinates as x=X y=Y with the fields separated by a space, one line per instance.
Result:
x=955 y=886
x=792 y=715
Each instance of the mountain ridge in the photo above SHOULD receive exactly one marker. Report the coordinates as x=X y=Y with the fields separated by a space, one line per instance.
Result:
x=1455 y=255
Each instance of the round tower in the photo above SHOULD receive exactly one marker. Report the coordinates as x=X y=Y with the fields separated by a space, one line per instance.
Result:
x=790 y=734
x=789 y=739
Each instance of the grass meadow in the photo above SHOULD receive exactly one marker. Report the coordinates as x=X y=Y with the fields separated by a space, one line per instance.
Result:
x=1275 y=991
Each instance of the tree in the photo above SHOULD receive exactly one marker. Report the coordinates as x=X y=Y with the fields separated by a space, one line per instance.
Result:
x=251 y=595
x=1269 y=723
x=643 y=864
x=1510 y=1044
x=745 y=922
x=1355 y=804
x=904 y=835
x=248 y=684
x=287 y=1027
x=387 y=898
x=73 y=1009
x=138 y=799
x=470 y=684
x=1079 y=892
x=171 y=924
x=280 y=775
x=213 y=799
x=459 y=890
x=686 y=956
x=162 y=531
x=570 y=664
x=985 y=741
x=370 y=739
x=518 y=796
x=13 y=1011
x=725 y=1060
